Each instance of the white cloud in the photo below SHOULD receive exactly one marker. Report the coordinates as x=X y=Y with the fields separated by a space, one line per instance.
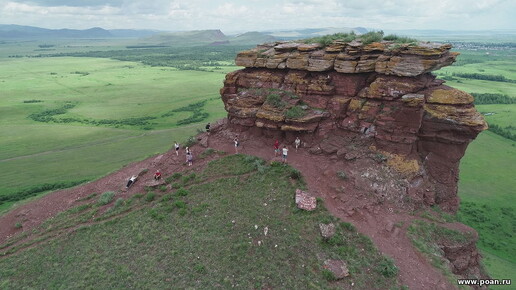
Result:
x=261 y=14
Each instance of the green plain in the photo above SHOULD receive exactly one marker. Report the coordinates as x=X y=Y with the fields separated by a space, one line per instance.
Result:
x=34 y=153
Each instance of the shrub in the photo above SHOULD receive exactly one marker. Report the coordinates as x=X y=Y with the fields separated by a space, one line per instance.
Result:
x=150 y=196
x=275 y=100
x=155 y=214
x=295 y=174
x=119 y=202
x=167 y=197
x=207 y=152
x=372 y=36
x=180 y=204
x=399 y=39
x=163 y=188
x=18 y=225
x=189 y=178
x=182 y=192
x=342 y=175
x=106 y=198
x=173 y=177
x=295 y=112
x=326 y=40
x=200 y=269
x=387 y=268
x=190 y=141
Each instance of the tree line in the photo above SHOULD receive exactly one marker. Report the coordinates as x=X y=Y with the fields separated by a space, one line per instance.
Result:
x=484 y=77
x=490 y=98
x=182 y=58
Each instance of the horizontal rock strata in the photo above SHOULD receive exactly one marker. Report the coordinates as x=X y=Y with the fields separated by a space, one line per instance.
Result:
x=382 y=92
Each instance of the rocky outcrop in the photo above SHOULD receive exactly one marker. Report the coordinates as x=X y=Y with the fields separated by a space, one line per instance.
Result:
x=351 y=57
x=382 y=94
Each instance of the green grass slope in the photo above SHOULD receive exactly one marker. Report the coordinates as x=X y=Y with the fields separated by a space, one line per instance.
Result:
x=486 y=189
x=208 y=233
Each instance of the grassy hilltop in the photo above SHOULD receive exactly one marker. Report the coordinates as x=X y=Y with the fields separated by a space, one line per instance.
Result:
x=206 y=232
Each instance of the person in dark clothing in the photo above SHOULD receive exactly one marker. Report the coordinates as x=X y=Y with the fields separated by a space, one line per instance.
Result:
x=131 y=181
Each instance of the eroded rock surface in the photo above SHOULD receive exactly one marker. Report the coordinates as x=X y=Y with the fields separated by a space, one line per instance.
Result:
x=351 y=100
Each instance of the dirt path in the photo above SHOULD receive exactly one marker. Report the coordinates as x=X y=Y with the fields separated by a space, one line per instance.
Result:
x=383 y=224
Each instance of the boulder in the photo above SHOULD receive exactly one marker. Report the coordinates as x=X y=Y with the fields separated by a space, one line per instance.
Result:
x=327 y=230
x=305 y=201
x=339 y=268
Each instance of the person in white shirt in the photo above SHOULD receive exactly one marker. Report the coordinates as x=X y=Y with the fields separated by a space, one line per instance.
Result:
x=297 y=143
x=285 y=152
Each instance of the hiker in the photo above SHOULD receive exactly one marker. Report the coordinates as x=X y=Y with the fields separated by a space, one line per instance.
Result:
x=285 y=152
x=297 y=142
x=157 y=175
x=177 y=148
x=276 y=148
x=236 y=144
x=189 y=158
x=131 y=181
x=208 y=128
x=188 y=152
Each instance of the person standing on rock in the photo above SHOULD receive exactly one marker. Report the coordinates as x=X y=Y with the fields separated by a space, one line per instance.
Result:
x=297 y=142
x=208 y=126
x=236 y=144
x=285 y=152
x=177 y=147
x=276 y=148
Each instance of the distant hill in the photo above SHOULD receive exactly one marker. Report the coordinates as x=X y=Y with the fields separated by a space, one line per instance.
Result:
x=20 y=31
x=129 y=33
x=311 y=32
x=252 y=38
x=186 y=38
x=207 y=37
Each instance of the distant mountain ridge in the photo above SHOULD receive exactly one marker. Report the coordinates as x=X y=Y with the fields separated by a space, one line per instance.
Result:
x=13 y=31
x=208 y=37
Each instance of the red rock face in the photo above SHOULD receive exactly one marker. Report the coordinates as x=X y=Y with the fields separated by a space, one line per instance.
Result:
x=410 y=116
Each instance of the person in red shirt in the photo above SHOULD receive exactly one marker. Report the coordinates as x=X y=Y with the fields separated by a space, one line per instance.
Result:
x=157 y=175
x=276 y=148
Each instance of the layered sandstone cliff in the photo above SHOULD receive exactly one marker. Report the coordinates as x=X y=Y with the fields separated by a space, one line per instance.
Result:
x=382 y=94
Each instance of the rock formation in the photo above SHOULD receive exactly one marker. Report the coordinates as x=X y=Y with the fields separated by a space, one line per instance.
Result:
x=382 y=94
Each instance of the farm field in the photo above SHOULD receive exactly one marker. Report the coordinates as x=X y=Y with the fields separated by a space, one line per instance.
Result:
x=96 y=91
x=484 y=62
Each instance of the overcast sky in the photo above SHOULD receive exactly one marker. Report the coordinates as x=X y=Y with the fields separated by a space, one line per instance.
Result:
x=261 y=15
